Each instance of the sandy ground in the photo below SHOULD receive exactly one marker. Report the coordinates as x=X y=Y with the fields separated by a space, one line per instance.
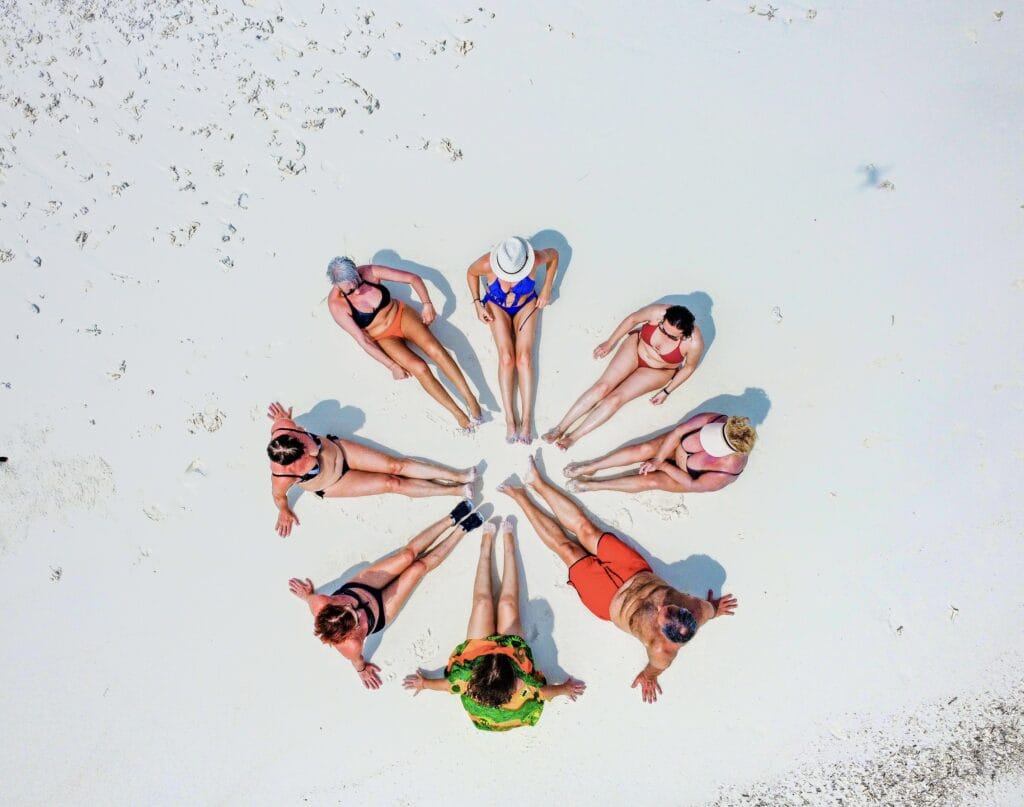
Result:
x=836 y=191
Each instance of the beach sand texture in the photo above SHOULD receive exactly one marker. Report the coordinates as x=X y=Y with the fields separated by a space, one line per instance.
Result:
x=838 y=194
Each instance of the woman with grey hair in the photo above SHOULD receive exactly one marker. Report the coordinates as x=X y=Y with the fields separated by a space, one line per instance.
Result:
x=508 y=305
x=382 y=326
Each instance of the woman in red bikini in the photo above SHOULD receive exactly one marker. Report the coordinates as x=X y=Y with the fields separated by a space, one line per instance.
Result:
x=364 y=308
x=661 y=350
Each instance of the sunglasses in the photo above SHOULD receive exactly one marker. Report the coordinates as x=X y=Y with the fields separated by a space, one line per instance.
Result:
x=661 y=328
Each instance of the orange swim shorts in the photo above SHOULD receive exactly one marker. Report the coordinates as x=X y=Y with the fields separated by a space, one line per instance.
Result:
x=394 y=330
x=596 y=578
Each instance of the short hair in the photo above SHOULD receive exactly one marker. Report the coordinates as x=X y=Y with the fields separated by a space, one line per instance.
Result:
x=679 y=316
x=493 y=682
x=740 y=434
x=342 y=269
x=673 y=627
x=334 y=623
x=285 y=449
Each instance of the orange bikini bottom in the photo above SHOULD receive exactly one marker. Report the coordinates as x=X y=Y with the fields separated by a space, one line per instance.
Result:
x=394 y=330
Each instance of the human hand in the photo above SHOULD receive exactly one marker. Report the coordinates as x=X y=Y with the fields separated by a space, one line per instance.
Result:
x=649 y=687
x=416 y=682
x=602 y=350
x=284 y=522
x=725 y=605
x=650 y=467
x=303 y=589
x=398 y=373
x=572 y=688
x=369 y=676
x=278 y=412
x=482 y=313
x=659 y=397
x=543 y=300
x=428 y=314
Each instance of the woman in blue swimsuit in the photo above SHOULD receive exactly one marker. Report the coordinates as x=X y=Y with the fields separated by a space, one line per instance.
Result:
x=508 y=305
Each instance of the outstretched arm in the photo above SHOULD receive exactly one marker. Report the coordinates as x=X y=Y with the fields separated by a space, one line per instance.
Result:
x=417 y=682
x=549 y=257
x=647 y=678
x=571 y=689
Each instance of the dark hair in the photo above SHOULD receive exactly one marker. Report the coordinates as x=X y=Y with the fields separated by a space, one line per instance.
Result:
x=493 y=682
x=285 y=449
x=679 y=316
x=673 y=628
x=334 y=623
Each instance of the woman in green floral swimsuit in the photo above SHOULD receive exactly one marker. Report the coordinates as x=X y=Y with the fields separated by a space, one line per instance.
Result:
x=493 y=670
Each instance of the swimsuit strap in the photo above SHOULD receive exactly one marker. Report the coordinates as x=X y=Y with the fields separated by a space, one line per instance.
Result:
x=312 y=473
x=376 y=623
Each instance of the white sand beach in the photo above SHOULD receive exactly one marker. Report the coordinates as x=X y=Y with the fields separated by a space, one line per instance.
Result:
x=836 y=191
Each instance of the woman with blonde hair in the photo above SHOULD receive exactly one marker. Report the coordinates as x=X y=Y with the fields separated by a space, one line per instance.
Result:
x=704 y=453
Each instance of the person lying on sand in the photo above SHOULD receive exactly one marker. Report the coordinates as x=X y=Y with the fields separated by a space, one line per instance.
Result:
x=372 y=599
x=659 y=355
x=510 y=305
x=616 y=583
x=384 y=327
x=703 y=453
x=332 y=467
x=493 y=670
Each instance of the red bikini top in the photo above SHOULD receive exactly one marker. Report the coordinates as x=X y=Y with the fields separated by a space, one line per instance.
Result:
x=675 y=356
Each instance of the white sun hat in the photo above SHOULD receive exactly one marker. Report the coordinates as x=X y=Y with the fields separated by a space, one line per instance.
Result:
x=714 y=441
x=512 y=259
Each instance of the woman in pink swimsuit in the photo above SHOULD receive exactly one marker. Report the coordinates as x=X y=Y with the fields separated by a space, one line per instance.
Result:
x=661 y=350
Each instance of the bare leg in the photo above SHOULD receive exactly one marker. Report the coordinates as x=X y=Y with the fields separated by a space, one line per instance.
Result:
x=630 y=482
x=641 y=380
x=622 y=364
x=363 y=458
x=547 y=528
x=508 y=599
x=568 y=513
x=387 y=569
x=419 y=369
x=421 y=336
x=398 y=591
x=366 y=483
x=481 y=618
x=627 y=455
x=501 y=330
x=524 y=340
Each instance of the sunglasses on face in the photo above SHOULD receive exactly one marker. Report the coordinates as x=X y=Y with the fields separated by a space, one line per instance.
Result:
x=677 y=338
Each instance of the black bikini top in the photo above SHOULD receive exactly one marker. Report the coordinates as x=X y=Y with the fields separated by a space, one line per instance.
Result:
x=364 y=318
x=315 y=470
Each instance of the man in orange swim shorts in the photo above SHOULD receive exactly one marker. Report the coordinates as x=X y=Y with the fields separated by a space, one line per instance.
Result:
x=616 y=583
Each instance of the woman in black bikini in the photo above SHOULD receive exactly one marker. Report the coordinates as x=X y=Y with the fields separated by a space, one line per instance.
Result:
x=372 y=599
x=332 y=467
x=701 y=454
x=384 y=327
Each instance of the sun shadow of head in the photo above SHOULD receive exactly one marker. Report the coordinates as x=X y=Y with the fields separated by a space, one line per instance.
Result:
x=330 y=416
x=753 y=403
x=695 y=575
x=553 y=239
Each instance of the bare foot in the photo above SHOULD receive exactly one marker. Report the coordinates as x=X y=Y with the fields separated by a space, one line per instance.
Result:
x=564 y=442
x=506 y=527
x=531 y=476
x=509 y=488
x=577 y=486
x=470 y=475
x=511 y=433
x=525 y=437
x=467 y=492
x=551 y=434
x=574 y=469
x=489 y=531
